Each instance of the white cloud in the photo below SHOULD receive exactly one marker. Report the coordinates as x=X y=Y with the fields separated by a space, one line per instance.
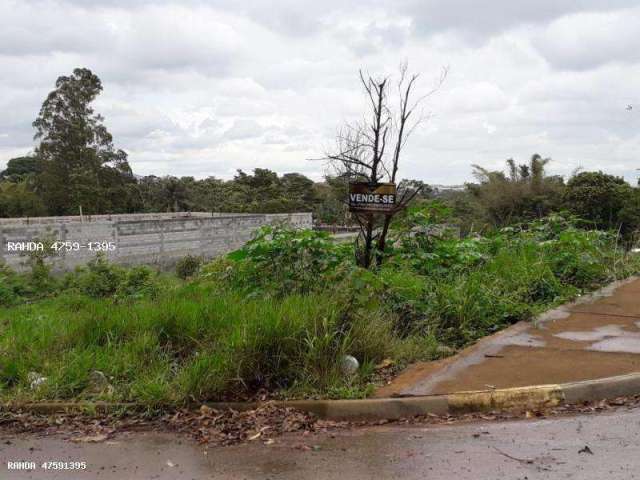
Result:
x=587 y=40
x=205 y=87
x=243 y=129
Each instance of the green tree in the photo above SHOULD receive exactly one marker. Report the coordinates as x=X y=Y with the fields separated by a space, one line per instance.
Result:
x=332 y=207
x=211 y=195
x=629 y=216
x=600 y=198
x=424 y=190
x=257 y=192
x=166 y=194
x=78 y=163
x=525 y=192
x=17 y=200
x=20 y=168
x=299 y=190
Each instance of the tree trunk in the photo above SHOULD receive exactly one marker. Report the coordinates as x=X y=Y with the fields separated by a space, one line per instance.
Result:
x=368 y=243
x=382 y=241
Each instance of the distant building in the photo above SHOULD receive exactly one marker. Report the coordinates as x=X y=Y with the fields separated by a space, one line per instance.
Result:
x=440 y=189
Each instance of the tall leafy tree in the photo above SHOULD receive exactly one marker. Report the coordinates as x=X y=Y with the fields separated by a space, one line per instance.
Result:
x=166 y=194
x=299 y=190
x=78 y=163
x=261 y=191
x=211 y=195
x=332 y=207
x=20 y=168
x=599 y=197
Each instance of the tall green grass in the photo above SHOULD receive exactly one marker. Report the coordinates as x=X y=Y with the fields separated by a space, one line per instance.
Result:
x=194 y=344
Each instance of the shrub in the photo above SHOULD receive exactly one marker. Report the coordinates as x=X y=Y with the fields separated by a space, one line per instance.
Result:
x=99 y=278
x=188 y=266
x=282 y=261
x=7 y=295
x=12 y=286
x=138 y=282
x=41 y=282
x=102 y=279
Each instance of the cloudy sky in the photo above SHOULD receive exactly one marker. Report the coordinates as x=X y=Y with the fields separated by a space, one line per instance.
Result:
x=206 y=87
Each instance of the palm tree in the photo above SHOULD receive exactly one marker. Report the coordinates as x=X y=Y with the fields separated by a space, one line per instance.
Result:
x=524 y=191
x=536 y=167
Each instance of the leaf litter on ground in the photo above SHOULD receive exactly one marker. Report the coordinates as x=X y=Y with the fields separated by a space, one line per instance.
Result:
x=264 y=424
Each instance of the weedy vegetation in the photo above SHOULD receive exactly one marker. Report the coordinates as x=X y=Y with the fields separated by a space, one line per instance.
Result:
x=276 y=316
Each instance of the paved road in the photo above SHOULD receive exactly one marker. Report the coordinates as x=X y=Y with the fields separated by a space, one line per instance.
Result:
x=526 y=449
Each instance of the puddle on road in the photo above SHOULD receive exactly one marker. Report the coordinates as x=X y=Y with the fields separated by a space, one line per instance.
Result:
x=599 y=333
x=623 y=345
x=610 y=338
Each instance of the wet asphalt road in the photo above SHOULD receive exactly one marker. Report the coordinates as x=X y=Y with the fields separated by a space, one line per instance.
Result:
x=526 y=449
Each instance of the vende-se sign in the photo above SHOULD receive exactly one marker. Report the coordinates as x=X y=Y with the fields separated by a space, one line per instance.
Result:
x=367 y=197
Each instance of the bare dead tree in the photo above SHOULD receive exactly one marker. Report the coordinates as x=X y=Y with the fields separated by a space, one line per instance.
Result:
x=370 y=150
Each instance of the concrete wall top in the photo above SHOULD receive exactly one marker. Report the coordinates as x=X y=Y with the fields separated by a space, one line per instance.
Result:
x=132 y=217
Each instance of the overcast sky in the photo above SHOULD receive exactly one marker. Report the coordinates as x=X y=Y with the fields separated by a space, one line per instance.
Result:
x=206 y=87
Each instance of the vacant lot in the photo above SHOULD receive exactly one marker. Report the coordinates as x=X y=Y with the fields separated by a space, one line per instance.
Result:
x=278 y=316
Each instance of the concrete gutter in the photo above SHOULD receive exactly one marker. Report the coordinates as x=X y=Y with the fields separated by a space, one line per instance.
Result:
x=522 y=398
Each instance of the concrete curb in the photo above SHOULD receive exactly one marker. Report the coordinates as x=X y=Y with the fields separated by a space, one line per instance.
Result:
x=50 y=408
x=521 y=398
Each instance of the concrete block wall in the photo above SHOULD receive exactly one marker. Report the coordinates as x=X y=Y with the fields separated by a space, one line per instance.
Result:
x=112 y=218
x=153 y=239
